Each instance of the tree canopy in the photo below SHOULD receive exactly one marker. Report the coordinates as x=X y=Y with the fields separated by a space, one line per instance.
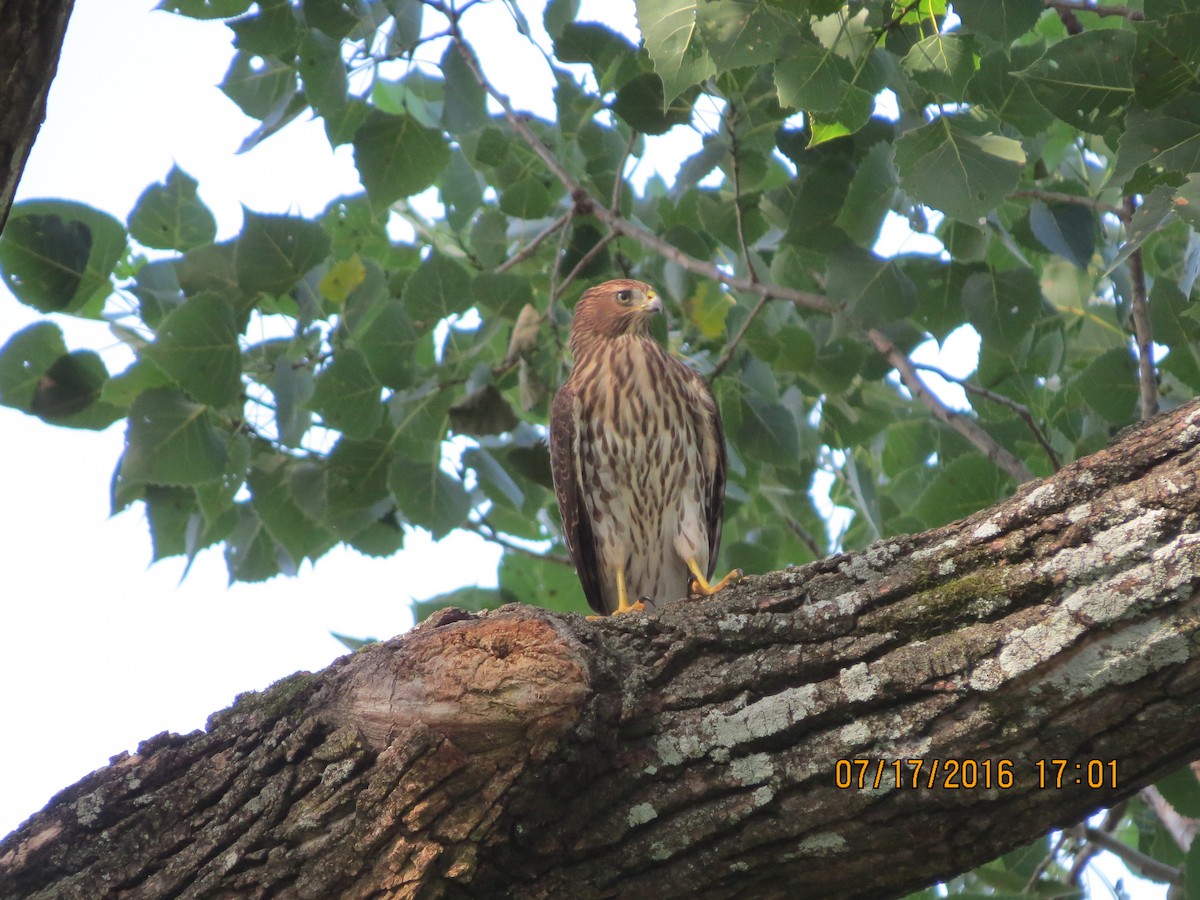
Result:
x=388 y=364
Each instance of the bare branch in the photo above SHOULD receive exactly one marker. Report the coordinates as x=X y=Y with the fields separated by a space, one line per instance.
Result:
x=528 y=250
x=485 y=530
x=732 y=345
x=584 y=260
x=615 y=204
x=1019 y=408
x=964 y=425
x=1138 y=862
x=1142 y=329
x=1061 y=197
x=586 y=205
x=1062 y=6
x=1181 y=828
x=730 y=113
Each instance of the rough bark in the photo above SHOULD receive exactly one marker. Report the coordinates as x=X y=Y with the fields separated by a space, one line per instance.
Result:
x=31 y=36
x=693 y=752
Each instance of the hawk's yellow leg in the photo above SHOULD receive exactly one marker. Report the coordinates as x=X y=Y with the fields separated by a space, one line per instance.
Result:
x=700 y=584
x=623 y=604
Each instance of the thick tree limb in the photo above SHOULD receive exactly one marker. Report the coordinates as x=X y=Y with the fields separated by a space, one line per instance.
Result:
x=31 y=36
x=695 y=752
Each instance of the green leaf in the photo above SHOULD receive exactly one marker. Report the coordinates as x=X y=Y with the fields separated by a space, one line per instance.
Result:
x=873 y=290
x=428 y=497
x=347 y=395
x=942 y=64
x=964 y=485
x=419 y=416
x=1109 y=385
x=544 y=583
x=1003 y=306
x=851 y=115
x=197 y=345
x=502 y=293
x=1086 y=80
x=69 y=393
x=1165 y=139
x=274 y=30
x=740 y=34
x=356 y=488
x=24 y=360
x=558 y=15
x=1067 y=229
x=673 y=42
x=389 y=346
x=171 y=440
x=1002 y=20
x=397 y=157
x=465 y=108
x=811 y=77
x=950 y=165
x=337 y=18
x=871 y=195
x=275 y=252
x=527 y=198
x=56 y=256
x=323 y=73
x=1167 y=59
x=250 y=554
x=273 y=497
x=261 y=86
x=996 y=87
x=438 y=288
x=640 y=103
x=1182 y=790
x=205 y=9
x=171 y=216
x=472 y=599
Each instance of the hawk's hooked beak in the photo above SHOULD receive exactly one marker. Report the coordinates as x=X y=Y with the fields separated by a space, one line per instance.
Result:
x=653 y=303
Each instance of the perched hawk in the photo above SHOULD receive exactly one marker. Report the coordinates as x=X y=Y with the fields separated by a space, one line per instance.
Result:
x=638 y=457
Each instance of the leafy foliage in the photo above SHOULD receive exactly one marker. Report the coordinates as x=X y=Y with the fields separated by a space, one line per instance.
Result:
x=318 y=380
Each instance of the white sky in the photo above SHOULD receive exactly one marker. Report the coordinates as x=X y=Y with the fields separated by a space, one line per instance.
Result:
x=98 y=649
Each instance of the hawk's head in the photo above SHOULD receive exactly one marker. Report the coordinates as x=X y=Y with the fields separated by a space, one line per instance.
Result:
x=614 y=308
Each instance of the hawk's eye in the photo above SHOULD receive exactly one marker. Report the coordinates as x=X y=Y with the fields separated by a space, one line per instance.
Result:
x=624 y=296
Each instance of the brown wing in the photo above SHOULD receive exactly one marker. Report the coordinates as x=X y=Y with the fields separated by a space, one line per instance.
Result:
x=711 y=429
x=577 y=525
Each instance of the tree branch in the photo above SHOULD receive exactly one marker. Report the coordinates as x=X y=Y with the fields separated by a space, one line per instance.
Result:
x=1102 y=11
x=1142 y=329
x=529 y=249
x=1061 y=197
x=719 y=747
x=1020 y=409
x=1144 y=865
x=33 y=30
x=967 y=427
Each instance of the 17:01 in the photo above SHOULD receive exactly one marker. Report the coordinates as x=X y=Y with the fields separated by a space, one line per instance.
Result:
x=1095 y=773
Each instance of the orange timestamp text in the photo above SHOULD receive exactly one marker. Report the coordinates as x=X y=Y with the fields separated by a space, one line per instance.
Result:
x=974 y=774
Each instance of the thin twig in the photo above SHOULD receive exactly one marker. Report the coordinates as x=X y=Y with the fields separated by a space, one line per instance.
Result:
x=964 y=425
x=583 y=261
x=1137 y=861
x=1133 y=15
x=488 y=533
x=1087 y=851
x=731 y=346
x=585 y=205
x=554 y=291
x=730 y=113
x=1019 y=408
x=1142 y=329
x=615 y=205
x=528 y=250
x=1061 y=197
x=806 y=538
x=1045 y=864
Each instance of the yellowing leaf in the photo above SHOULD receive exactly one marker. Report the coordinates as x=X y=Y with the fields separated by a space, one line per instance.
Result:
x=341 y=279
x=707 y=308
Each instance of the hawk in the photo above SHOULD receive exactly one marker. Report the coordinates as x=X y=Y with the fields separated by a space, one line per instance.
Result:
x=638 y=457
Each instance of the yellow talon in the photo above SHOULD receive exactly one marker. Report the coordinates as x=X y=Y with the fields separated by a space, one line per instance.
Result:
x=623 y=604
x=700 y=584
